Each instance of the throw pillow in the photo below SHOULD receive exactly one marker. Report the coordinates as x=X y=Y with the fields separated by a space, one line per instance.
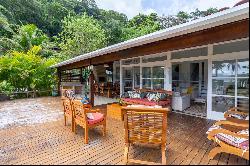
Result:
x=143 y=95
x=90 y=116
x=85 y=100
x=126 y=95
x=151 y=96
x=134 y=95
x=70 y=94
x=238 y=116
x=162 y=96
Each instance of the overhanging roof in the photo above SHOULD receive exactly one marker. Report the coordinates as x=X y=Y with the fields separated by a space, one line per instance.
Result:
x=227 y=16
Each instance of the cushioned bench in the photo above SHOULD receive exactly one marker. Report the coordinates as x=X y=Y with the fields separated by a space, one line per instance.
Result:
x=142 y=97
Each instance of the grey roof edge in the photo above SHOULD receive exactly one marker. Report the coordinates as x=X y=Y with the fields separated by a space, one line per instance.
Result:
x=224 y=17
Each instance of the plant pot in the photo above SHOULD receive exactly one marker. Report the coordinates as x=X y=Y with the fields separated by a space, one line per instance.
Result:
x=54 y=93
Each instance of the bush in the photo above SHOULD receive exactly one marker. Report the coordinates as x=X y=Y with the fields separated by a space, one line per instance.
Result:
x=27 y=71
x=6 y=88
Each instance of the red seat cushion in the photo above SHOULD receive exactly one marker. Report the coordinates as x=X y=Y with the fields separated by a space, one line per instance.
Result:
x=98 y=117
x=146 y=102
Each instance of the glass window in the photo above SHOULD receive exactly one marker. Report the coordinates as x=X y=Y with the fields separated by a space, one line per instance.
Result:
x=194 y=71
x=175 y=72
x=243 y=87
x=243 y=103
x=158 y=72
x=136 y=77
x=117 y=74
x=235 y=86
x=243 y=68
x=146 y=72
x=153 y=59
x=222 y=104
x=131 y=61
x=127 y=73
x=158 y=84
x=146 y=83
x=224 y=69
x=224 y=86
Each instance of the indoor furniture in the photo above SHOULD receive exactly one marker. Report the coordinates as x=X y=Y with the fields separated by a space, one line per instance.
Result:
x=180 y=103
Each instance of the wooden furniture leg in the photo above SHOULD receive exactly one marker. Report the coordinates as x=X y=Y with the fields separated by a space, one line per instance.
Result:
x=72 y=126
x=214 y=152
x=75 y=127
x=65 y=120
x=104 y=129
x=163 y=152
x=86 y=135
x=126 y=150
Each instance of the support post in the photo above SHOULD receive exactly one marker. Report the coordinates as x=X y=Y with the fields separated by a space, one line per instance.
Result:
x=59 y=74
x=81 y=79
x=91 y=82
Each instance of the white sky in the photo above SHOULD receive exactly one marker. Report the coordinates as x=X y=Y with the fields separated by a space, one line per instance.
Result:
x=166 y=7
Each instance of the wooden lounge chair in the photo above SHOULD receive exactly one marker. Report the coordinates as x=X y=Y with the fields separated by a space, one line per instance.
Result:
x=232 y=142
x=237 y=115
x=145 y=126
x=82 y=117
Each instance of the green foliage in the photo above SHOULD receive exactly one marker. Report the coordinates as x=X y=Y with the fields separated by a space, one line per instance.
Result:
x=141 y=25
x=28 y=36
x=24 y=39
x=27 y=70
x=113 y=23
x=24 y=11
x=85 y=74
x=80 y=35
x=183 y=17
x=6 y=88
x=34 y=34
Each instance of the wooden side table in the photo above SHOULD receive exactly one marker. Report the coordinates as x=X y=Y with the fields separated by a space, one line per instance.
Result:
x=114 y=111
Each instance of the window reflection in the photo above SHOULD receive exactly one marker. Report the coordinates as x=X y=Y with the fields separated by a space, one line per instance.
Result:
x=222 y=104
x=243 y=68
x=224 y=86
x=224 y=69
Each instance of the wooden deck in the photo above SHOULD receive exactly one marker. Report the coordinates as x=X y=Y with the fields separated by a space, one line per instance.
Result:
x=53 y=143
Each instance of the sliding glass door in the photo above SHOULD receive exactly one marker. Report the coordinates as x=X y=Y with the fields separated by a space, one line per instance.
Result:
x=230 y=84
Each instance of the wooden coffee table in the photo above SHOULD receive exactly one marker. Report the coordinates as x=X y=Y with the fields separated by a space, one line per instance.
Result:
x=114 y=111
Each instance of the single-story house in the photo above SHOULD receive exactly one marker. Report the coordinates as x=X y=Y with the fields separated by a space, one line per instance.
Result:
x=209 y=55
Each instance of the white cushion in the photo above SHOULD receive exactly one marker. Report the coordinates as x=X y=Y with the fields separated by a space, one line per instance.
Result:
x=90 y=116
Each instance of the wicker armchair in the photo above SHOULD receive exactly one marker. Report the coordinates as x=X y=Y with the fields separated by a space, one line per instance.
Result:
x=81 y=118
x=146 y=126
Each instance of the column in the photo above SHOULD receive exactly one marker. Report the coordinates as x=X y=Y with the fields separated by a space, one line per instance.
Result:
x=168 y=73
x=121 y=83
x=59 y=75
x=91 y=82
x=209 y=83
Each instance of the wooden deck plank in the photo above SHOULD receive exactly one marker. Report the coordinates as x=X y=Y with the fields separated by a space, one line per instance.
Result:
x=54 y=143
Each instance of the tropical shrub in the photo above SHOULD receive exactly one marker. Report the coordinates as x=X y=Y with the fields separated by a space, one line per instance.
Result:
x=27 y=71
x=81 y=34
x=6 y=88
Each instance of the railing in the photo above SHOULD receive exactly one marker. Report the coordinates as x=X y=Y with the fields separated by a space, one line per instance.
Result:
x=69 y=77
x=33 y=94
